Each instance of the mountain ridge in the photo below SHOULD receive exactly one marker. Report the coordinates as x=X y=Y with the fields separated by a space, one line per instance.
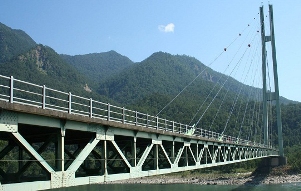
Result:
x=98 y=66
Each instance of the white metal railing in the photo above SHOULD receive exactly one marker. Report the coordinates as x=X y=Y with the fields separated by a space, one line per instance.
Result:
x=17 y=91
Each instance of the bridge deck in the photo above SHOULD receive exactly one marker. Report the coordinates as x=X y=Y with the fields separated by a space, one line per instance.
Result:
x=66 y=149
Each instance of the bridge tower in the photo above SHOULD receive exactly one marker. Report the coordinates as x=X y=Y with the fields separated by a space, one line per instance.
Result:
x=270 y=96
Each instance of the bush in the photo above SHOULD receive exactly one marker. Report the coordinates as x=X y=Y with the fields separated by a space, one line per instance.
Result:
x=293 y=154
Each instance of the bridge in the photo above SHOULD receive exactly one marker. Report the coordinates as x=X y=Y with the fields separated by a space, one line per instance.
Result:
x=53 y=139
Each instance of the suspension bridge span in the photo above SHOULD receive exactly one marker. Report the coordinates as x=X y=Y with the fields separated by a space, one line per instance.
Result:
x=71 y=140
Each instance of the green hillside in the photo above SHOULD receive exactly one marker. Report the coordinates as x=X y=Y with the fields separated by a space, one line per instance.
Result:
x=42 y=65
x=13 y=42
x=98 y=66
x=161 y=73
x=150 y=85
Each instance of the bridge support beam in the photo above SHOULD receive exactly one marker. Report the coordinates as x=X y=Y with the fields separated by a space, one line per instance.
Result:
x=271 y=95
x=60 y=150
x=278 y=110
x=264 y=79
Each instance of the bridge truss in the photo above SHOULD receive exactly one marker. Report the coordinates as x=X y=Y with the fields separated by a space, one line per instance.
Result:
x=69 y=150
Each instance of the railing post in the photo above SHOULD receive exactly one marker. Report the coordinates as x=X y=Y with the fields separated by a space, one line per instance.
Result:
x=136 y=118
x=109 y=112
x=123 y=115
x=11 y=89
x=91 y=107
x=70 y=102
x=44 y=97
x=173 y=126
x=157 y=122
x=147 y=120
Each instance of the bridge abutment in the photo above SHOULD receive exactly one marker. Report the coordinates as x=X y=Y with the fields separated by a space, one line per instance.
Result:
x=270 y=162
x=274 y=161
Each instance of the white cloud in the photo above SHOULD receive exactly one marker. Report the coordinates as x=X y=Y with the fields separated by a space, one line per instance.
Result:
x=168 y=28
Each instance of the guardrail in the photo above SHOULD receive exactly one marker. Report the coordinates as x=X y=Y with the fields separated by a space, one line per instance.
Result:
x=17 y=91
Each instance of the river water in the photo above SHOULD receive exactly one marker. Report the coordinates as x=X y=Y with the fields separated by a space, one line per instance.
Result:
x=182 y=187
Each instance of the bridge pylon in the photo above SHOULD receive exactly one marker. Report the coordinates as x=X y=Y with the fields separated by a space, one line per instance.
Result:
x=268 y=95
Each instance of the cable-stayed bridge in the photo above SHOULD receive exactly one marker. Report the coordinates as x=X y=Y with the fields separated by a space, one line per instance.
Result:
x=52 y=139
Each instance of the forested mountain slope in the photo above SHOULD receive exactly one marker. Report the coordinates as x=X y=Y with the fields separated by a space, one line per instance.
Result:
x=99 y=66
x=43 y=66
x=161 y=73
x=13 y=42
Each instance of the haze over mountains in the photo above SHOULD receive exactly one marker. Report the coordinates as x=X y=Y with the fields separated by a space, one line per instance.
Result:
x=146 y=86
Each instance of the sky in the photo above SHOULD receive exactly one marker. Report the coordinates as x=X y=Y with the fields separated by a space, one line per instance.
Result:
x=137 y=29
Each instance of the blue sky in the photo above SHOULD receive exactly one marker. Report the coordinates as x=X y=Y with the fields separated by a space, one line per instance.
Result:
x=137 y=29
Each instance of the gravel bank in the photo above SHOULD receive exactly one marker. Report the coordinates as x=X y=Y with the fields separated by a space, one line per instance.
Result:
x=248 y=180
x=277 y=176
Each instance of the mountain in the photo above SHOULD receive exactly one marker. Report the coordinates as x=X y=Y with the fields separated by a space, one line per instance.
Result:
x=23 y=58
x=13 y=42
x=166 y=74
x=150 y=85
x=42 y=65
x=99 y=66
